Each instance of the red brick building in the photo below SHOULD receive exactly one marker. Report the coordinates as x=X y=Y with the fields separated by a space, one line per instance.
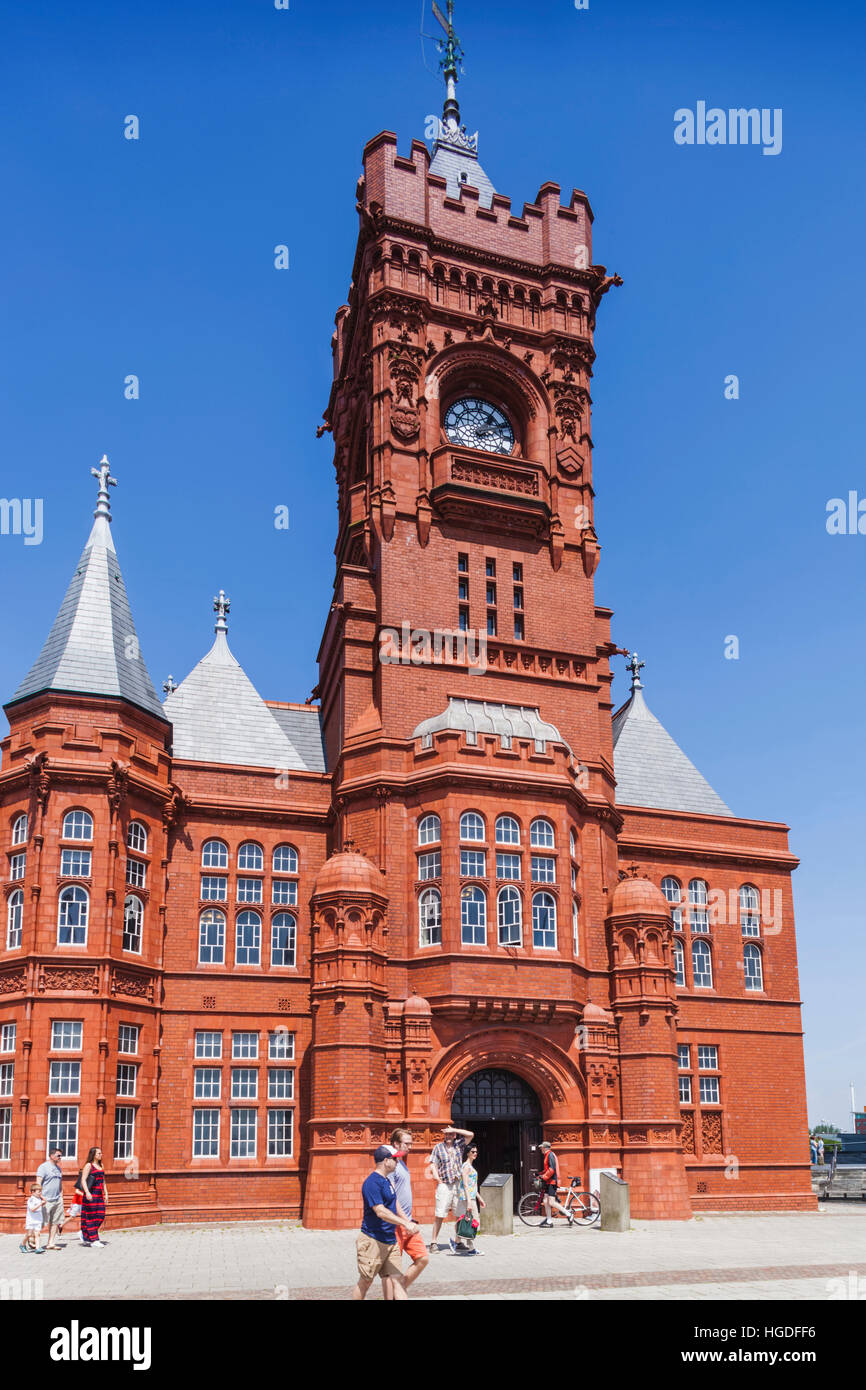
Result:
x=243 y=938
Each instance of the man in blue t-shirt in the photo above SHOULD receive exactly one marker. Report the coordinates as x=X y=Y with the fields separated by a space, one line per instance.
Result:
x=377 y=1243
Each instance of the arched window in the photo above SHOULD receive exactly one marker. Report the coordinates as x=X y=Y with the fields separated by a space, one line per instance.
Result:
x=507 y=831
x=541 y=834
x=283 y=938
x=72 y=906
x=699 y=917
x=430 y=918
x=544 y=921
x=78 y=825
x=471 y=291
x=429 y=830
x=212 y=937
x=679 y=963
x=248 y=939
x=471 y=826
x=672 y=889
x=534 y=308
x=572 y=844
x=750 y=906
x=510 y=917
x=285 y=860
x=575 y=934
x=19 y=830
x=753 y=967
x=14 y=920
x=702 y=965
x=133 y=920
x=214 y=855
x=473 y=917
x=136 y=837
x=250 y=856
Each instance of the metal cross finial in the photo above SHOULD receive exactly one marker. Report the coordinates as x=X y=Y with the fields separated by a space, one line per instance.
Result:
x=221 y=607
x=635 y=666
x=169 y=686
x=103 y=473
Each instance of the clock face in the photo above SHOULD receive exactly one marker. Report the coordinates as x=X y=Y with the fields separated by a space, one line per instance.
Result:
x=477 y=424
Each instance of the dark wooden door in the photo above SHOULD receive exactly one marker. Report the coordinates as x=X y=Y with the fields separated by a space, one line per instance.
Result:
x=505 y=1116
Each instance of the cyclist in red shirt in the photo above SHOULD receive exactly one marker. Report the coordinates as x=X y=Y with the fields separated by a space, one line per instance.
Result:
x=550 y=1179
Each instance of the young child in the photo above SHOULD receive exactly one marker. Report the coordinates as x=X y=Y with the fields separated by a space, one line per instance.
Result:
x=34 y=1222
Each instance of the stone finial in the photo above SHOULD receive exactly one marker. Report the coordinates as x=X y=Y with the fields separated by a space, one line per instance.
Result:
x=169 y=686
x=103 y=501
x=222 y=607
x=635 y=666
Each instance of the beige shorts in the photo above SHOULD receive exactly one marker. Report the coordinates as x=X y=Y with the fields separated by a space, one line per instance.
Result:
x=54 y=1213
x=447 y=1198
x=376 y=1257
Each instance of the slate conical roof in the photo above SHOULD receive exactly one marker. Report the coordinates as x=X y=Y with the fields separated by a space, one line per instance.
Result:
x=218 y=716
x=651 y=769
x=92 y=648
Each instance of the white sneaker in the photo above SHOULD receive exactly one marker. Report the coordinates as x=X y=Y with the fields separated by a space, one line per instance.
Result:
x=100 y=1243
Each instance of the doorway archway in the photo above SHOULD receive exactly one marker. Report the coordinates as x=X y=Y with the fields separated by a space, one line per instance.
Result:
x=505 y=1116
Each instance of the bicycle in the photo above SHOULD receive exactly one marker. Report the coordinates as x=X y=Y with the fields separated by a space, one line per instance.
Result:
x=585 y=1207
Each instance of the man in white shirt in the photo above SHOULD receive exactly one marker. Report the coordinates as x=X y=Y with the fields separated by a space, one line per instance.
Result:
x=49 y=1176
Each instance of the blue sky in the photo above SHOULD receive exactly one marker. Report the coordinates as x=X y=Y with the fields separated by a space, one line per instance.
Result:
x=155 y=257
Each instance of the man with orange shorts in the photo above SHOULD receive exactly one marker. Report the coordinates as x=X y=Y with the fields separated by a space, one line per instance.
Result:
x=411 y=1242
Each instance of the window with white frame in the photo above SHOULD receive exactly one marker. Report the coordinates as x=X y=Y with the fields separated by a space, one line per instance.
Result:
x=281 y=1046
x=133 y=921
x=283 y=939
x=64 y=1079
x=136 y=873
x=699 y=917
x=541 y=834
x=575 y=932
x=72 y=908
x=245 y=1046
x=67 y=1035
x=572 y=844
x=251 y=857
x=19 y=830
x=208 y=1044
x=473 y=863
x=285 y=860
x=709 y=1090
x=127 y=1079
x=128 y=1035
x=284 y=892
x=429 y=830
x=7 y=1078
x=17 y=866
x=249 y=890
x=683 y=1058
x=75 y=863
x=679 y=964
x=430 y=918
x=508 y=866
x=63 y=1130
x=281 y=1083
x=708 y=1057
x=471 y=826
x=544 y=921
x=14 y=920
x=543 y=869
x=702 y=965
x=245 y=1083
x=243 y=1133
x=214 y=855
x=280 y=1133
x=6 y=1132
x=207 y=1083
x=248 y=939
x=430 y=865
x=672 y=889
x=750 y=910
x=473 y=917
x=124 y=1132
x=509 y=910
x=214 y=888
x=685 y=1090
x=212 y=937
x=205 y=1133
x=77 y=825
x=507 y=831
x=753 y=968
x=136 y=837
x=8 y=1034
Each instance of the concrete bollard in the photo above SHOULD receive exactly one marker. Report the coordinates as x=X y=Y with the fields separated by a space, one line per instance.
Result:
x=615 y=1206
x=497 y=1215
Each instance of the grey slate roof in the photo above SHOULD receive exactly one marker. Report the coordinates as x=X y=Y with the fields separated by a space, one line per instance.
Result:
x=218 y=716
x=460 y=166
x=484 y=716
x=92 y=648
x=303 y=729
x=652 y=770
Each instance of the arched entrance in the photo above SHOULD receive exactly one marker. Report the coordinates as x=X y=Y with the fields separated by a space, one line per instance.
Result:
x=504 y=1114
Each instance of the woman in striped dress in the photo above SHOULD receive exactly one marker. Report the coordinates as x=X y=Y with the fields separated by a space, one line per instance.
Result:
x=93 y=1198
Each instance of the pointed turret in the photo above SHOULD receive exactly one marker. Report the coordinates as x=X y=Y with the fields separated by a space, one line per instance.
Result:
x=651 y=769
x=455 y=152
x=218 y=716
x=92 y=648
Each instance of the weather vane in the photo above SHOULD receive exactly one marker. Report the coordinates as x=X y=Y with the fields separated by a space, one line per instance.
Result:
x=451 y=61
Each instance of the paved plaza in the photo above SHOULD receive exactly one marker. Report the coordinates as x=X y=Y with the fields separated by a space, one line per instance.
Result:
x=819 y=1255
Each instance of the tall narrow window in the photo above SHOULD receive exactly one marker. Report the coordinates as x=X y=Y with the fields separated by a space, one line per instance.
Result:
x=430 y=918
x=679 y=963
x=248 y=939
x=14 y=920
x=473 y=917
x=672 y=890
x=750 y=904
x=133 y=918
x=510 y=917
x=283 y=936
x=136 y=837
x=699 y=917
x=72 y=917
x=212 y=937
x=544 y=921
x=519 y=628
x=753 y=968
x=206 y=1134
x=702 y=965
x=124 y=1132
x=19 y=830
x=6 y=1132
